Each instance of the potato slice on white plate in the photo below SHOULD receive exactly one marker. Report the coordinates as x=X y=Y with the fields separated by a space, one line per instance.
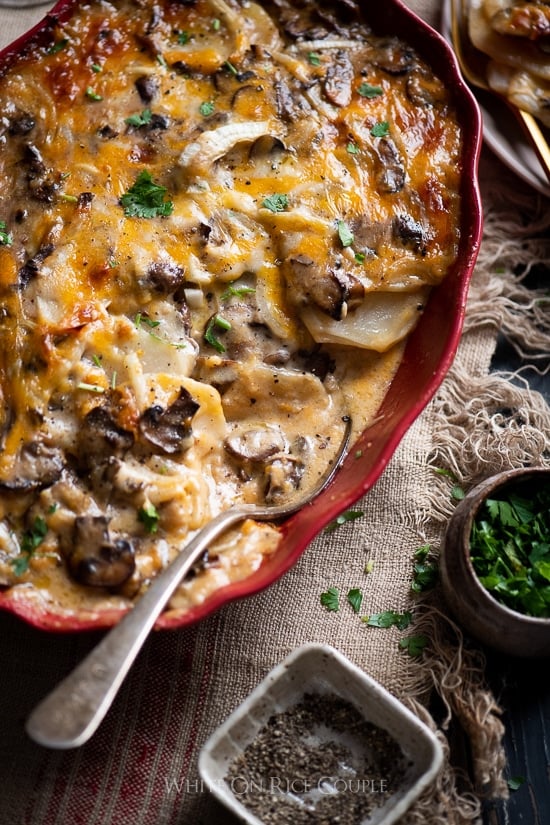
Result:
x=525 y=91
x=517 y=52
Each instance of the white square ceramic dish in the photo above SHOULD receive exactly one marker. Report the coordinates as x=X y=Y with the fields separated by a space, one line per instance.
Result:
x=322 y=670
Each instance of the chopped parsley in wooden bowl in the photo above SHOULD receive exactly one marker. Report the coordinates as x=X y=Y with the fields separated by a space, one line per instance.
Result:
x=495 y=565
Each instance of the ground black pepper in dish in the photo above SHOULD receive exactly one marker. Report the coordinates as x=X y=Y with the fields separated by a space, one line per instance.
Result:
x=317 y=763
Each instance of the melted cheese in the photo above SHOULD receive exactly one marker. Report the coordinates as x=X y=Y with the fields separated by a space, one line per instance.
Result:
x=312 y=201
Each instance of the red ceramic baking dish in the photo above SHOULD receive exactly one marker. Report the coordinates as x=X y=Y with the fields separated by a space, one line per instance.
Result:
x=429 y=351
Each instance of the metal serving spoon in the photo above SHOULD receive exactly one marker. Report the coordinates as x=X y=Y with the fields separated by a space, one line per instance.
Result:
x=73 y=711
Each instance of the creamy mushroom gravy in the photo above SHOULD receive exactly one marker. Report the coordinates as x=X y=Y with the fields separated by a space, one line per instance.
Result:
x=219 y=222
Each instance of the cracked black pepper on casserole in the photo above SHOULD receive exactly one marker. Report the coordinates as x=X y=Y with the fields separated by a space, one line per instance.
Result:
x=218 y=224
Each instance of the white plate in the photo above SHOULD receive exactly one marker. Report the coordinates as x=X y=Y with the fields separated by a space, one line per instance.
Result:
x=501 y=132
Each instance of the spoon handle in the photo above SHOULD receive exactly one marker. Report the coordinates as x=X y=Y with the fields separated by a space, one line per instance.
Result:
x=72 y=712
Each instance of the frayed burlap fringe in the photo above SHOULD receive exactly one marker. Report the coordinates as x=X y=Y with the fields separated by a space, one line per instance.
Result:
x=456 y=671
x=482 y=424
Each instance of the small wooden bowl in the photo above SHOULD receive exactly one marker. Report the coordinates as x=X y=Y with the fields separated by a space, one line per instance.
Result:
x=474 y=607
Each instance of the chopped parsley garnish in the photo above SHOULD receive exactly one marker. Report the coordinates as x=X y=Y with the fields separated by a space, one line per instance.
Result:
x=388 y=618
x=360 y=257
x=515 y=782
x=96 y=68
x=366 y=90
x=425 y=573
x=141 y=119
x=216 y=322
x=21 y=563
x=148 y=515
x=442 y=471
x=140 y=319
x=510 y=549
x=345 y=234
x=93 y=95
x=352 y=148
x=343 y=518
x=276 y=203
x=330 y=599
x=145 y=199
x=457 y=493
x=58 y=46
x=231 y=68
x=5 y=237
x=314 y=59
x=380 y=129
x=355 y=597
x=183 y=38
x=30 y=540
x=236 y=291
x=206 y=108
x=414 y=645
x=35 y=536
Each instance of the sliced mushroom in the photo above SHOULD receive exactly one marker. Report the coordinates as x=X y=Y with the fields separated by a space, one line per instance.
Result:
x=312 y=284
x=31 y=268
x=391 y=176
x=283 y=476
x=291 y=105
x=36 y=466
x=317 y=362
x=410 y=233
x=255 y=444
x=165 y=276
x=107 y=132
x=170 y=429
x=394 y=57
x=96 y=559
x=369 y=235
x=424 y=89
x=102 y=437
x=338 y=80
x=41 y=186
x=22 y=124
x=147 y=87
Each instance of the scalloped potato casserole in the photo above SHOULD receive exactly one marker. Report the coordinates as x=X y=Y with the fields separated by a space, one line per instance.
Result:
x=219 y=221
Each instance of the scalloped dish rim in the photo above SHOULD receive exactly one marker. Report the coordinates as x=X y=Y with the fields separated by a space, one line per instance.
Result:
x=428 y=355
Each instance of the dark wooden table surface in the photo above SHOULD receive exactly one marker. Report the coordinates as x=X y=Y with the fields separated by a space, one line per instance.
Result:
x=523 y=686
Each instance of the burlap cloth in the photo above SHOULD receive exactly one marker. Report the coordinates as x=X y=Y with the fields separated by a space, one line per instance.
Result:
x=140 y=768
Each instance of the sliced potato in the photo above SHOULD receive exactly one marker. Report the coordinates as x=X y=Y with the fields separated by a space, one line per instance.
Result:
x=524 y=90
x=519 y=53
x=383 y=319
